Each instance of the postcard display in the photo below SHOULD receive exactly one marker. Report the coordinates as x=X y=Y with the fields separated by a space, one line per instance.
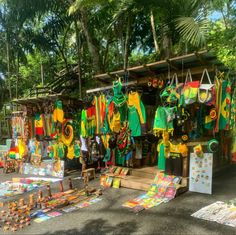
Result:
x=200 y=178
x=46 y=168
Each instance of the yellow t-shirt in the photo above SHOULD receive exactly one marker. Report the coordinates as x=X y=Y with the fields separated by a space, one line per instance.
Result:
x=178 y=149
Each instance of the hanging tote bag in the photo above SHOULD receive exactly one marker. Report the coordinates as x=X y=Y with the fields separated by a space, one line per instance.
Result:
x=190 y=90
x=169 y=94
x=206 y=91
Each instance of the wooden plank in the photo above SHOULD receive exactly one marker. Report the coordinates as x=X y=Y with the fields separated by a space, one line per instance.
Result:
x=109 y=87
x=161 y=62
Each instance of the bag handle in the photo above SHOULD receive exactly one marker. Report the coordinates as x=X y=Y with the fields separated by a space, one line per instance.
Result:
x=188 y=76
x=205 y=71
x=174 y=79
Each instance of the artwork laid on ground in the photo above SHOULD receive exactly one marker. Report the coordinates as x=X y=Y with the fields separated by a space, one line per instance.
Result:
x=220 y=212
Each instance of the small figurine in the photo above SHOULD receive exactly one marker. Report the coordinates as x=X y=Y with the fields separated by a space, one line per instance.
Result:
x=70 y=184
x=61 y=186
x=49 y=191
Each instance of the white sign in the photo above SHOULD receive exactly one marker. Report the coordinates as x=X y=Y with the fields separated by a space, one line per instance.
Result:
x=200 y=178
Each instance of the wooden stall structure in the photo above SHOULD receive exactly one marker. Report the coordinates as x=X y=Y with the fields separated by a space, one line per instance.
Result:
x=145 y=79
x=38 y=109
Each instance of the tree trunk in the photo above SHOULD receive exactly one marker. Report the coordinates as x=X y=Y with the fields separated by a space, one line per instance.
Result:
x=78 y=46
x=127 y=43
x=91 y=41
x=154 y=32
x=166 y=45
x=42 y=74
x=17 y=75
x=62 y=55
x=8 y=65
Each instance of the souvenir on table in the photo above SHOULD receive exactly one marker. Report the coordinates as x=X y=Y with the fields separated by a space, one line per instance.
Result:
x=36 y=159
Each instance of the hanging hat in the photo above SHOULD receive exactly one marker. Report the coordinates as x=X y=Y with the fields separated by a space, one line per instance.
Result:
x=185 y=137
x=213 y=145
x=155 y=82
x=213 y=114
x=150 y=82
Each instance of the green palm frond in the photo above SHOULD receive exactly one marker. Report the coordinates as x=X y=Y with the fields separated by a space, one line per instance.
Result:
x=75 y=6
x=124 y=7
x=193 y=30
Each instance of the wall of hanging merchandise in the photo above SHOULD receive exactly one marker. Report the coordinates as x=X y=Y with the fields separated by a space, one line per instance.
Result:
x=45 y=131
x=163 y=116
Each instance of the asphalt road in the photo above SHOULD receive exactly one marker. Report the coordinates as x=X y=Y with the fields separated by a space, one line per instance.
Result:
x=109 y=217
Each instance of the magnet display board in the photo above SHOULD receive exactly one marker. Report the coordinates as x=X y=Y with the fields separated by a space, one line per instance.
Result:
x=200 y=176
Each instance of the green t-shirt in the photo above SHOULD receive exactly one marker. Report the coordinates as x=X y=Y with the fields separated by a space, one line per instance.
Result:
x=161 y=156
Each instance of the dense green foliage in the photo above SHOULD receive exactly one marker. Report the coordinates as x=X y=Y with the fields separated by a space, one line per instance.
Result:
x=102 y=35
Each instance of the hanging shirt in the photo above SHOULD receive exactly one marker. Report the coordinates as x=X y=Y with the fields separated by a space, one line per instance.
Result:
x=134 y=122
x=83 y=131
x=161 y=156
x=115 y=122
x=164 y=119
x=38 y=124
x=134 y=100
x=70 y=152
x=176 y=150
x=77 y=150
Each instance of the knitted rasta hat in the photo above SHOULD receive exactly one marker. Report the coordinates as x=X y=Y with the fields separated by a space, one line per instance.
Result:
x=213 y=145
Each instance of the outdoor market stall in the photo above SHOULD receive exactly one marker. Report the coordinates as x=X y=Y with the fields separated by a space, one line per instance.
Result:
x=167 y=112
x=44 y=134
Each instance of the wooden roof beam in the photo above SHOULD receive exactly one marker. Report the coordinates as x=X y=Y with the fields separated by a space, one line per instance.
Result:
x=171 y=64
x=201 y=59
x=133 y=74
x=151 y=71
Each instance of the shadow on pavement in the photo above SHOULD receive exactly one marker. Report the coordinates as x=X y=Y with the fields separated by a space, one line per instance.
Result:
x=101 y=226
